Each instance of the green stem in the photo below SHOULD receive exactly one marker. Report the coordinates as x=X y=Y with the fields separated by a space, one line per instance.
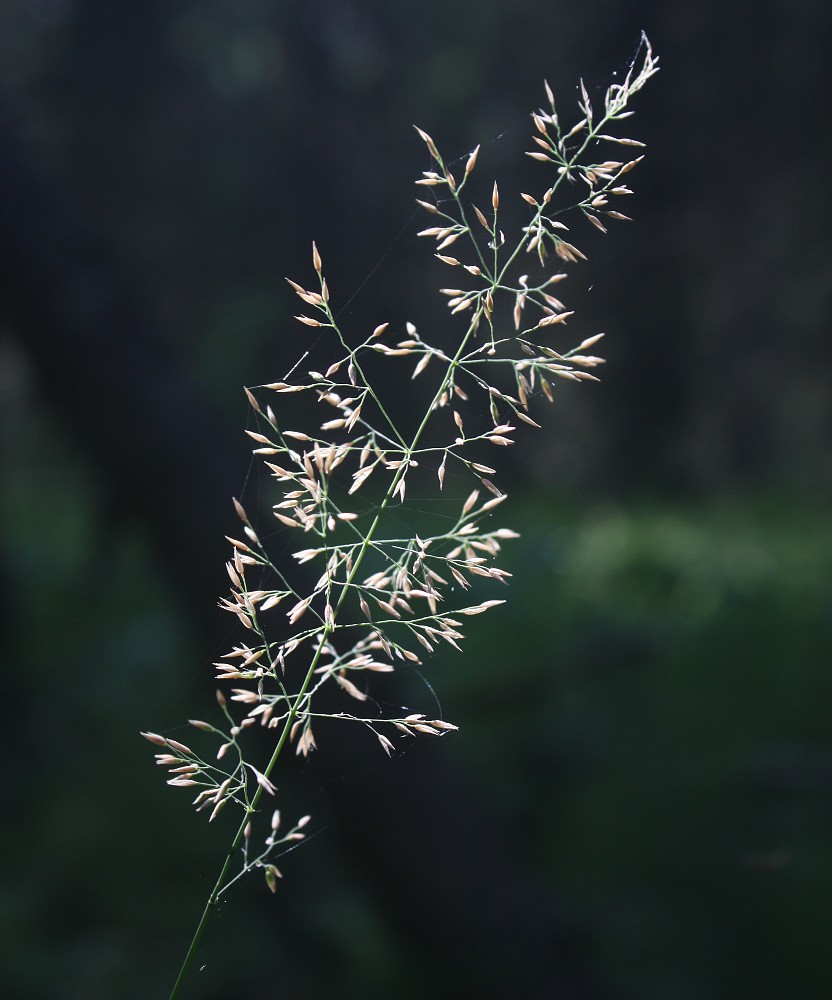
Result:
x=218 y=885
x=293 y=711
x=203 y=923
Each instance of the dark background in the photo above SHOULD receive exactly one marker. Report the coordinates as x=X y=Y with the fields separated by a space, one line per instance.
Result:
x=639 y=802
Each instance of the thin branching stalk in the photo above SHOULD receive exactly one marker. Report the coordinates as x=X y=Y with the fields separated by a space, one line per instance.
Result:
x=386 y=596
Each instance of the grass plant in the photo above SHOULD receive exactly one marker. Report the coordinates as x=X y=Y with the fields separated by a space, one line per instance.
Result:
x=374 y=583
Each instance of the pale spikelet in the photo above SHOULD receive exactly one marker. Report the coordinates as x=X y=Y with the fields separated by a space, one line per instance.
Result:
x=578 y=127
x=263 y=781
x=428 y=142
x=490 y=504
x=298 y=610
x=256 y=436
x=469 y=503
x=252 y=400
x=472 y=159
x=479 y=609
x=216 y=810
x=589 y=342
x=388 y=608
x=306 y=743
x=629 y=166
x=272 y=601
x=308 y=320
x=449 y=240
x=348 y=686
x=557 y=318
x=159 y=741
x=420 y=367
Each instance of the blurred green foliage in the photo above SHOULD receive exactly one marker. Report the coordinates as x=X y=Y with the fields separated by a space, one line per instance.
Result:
x=663 y=681
x=648 y=716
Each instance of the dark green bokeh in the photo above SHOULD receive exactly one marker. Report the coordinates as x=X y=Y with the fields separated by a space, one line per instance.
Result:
x=645 y=763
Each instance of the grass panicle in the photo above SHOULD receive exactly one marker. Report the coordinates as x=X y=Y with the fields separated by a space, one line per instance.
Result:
x=372 y=584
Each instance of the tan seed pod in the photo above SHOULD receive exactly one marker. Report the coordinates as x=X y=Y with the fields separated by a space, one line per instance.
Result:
x=472 y=159
x=420 y=367
x=155 y=738
x=428 y=142
x=350 y=688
